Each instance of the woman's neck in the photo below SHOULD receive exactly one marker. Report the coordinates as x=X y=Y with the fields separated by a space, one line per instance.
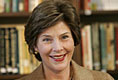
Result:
x=59 y=75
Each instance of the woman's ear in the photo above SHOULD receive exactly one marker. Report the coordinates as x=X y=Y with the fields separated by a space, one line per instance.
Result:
x=35 y=48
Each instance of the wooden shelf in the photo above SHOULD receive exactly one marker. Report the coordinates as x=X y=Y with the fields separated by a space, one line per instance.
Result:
x=26 y=14
x=95 y=16
x=10 y=77
x=17 y=14
x=106 y=12
x=99 y=16
x=14 y=18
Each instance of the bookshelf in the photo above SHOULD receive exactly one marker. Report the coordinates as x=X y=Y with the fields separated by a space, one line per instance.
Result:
x=96 y=16
x=11 y=77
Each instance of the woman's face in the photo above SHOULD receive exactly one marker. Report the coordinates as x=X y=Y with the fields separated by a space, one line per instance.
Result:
x=56 y=47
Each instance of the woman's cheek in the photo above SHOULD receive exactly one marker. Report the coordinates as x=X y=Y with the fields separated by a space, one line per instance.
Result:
x=44 y=49
x=69 y=45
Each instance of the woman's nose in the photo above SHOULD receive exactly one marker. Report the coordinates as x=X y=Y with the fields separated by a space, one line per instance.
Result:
x=57 y=46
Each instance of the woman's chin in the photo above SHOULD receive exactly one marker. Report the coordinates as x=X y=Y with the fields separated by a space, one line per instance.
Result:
x=60 y=67
x=60 y=64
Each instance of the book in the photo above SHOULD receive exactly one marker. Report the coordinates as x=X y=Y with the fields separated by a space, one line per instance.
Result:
x=8 y=51
x=105 y=4
x=96 y=5
x=95 y=46
x=86 y=47
x=20 y=5
x=21 y=48
x=113 y=4
x=33 y=4
x=8 y=5
x=26 y=5
x=14 y=5
x=14 y=51
x=103 y=53
x=116 y=46
x=83 y=42
x=1 y=6
x=86 y=7
x=2 y=51
x=110 y=46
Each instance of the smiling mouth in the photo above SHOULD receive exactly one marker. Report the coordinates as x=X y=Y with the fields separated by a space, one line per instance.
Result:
x=58 y=58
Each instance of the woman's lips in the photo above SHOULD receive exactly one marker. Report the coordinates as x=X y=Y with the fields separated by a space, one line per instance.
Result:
x=58 y=58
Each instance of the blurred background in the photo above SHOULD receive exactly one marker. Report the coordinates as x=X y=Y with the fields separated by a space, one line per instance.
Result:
x=98 y=49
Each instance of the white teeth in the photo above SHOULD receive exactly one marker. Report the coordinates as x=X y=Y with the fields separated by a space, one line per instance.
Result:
x=58 y=57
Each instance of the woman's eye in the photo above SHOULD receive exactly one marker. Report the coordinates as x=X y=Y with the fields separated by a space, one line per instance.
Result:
x=46 y=39
x=65 y=37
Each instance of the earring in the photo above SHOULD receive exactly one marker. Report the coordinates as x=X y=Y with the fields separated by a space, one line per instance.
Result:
x=35 y=52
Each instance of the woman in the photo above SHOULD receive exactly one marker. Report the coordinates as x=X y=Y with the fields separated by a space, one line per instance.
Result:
x=51 y=33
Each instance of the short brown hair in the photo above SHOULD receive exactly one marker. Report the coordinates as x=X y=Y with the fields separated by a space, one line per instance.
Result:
x=47 y=14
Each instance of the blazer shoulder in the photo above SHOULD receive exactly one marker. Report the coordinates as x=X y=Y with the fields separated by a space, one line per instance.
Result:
x=37 y=74
x=81 y=72
x=98 y=75
x=23 y=78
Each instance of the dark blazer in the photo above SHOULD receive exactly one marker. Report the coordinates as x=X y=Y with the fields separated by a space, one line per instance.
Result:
x=79 y=73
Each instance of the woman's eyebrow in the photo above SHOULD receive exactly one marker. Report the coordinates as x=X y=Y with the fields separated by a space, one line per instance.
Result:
x=45 y=35
x=65 y=33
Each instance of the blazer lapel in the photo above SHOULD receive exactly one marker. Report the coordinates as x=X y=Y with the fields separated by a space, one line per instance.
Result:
x=80 y=73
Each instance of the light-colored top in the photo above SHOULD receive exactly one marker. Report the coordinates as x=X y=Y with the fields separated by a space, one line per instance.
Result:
x=78 y=73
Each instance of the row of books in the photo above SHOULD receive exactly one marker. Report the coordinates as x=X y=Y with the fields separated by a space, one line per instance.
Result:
x=100 y=46
x=18 y=5
x=28 y=5
x=97 y=5
x=14 y=55
x=100 y=4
